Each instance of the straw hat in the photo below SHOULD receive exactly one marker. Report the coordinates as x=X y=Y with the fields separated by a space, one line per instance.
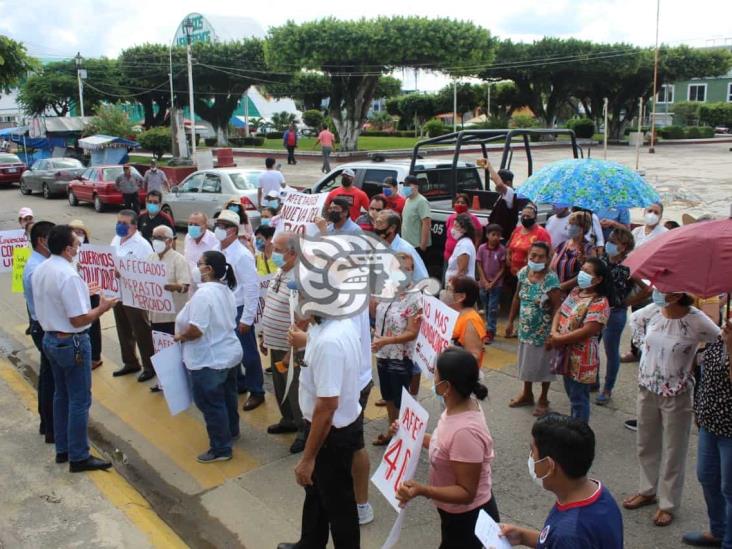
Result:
x=79 y=224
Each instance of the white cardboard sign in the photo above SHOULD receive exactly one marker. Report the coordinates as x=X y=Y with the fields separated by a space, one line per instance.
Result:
x=142 y=284
x=9 y=240
x=173 y=378
x=435 y=333
x=97 y=269
x=299 y=211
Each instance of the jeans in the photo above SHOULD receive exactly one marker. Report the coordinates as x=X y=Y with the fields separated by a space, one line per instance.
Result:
x=714 y=471
x=45 y=384
x=326 y=159
x=214 y=392
x=611 y=340
x=579 y=398
x=252 y=379
x=492 y=301
x=394 y=375
x=70 y=359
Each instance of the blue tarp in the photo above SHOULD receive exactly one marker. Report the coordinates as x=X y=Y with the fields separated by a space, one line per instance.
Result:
x=7 y=132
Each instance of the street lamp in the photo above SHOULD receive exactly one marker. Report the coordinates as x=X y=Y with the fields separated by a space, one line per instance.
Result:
x=188 y=30
x=79 y=77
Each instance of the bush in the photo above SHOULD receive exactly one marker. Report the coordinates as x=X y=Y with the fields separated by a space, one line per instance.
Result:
x=210 y=141
x=693 y=133
x=110 y=120
x=246 y=141
x=523 y=121
x=313 y=118
x=583 y=127
x=716 y=114
x=672 y=132
x=705 y=132
x=686 y=113
x=155 y=140
x=435 y=128
x=274 y=135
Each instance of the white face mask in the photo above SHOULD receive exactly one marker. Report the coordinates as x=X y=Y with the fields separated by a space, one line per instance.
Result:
x=651 y=218
x=196 y=276
x=532 y=471
x=158 y=246
x=220 y=233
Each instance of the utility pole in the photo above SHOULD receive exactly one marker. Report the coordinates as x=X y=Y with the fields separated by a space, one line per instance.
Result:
x=640 y=134
x=454 y=105
x=80 y=74
x=652 y=149
x=188 y=29
x=604 y=136
x=245 y=97
x=488 y=102
x=171 y=112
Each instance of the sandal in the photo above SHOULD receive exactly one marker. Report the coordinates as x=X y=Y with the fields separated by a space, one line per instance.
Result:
x=639 y=500
x=542 y=409
x=662 y=518
x=381 y=440
x=520 y=401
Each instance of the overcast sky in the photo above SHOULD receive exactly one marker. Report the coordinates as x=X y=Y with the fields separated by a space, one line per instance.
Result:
x=53 y=28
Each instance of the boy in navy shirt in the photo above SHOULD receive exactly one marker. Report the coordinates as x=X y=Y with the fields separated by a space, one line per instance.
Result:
x=585 y=515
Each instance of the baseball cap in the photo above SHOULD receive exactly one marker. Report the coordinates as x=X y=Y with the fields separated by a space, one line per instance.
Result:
x=349 y=172
x=411 y=180
x=229 y=217
x=25 y=212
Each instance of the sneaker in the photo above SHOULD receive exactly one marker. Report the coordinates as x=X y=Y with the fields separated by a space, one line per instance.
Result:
x=631 y=424
x=268 y=371
x=602 y=399
x=365 y=513
x=210 y=457
x=489 y=337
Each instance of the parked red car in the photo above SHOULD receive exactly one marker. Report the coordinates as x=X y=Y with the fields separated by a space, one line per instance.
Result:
x=96 y=185
x=11 y=168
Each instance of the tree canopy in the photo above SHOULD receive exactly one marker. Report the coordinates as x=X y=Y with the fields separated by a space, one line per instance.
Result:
x=14 y=63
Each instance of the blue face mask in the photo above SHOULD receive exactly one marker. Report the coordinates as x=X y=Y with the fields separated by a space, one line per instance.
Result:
x=259 y=243
x=194 y=231
x=584 y=280
x=407 y=191
x=387 y=191
x=659 y=298
x=574 y=231
x=265 y=222
x=278 y=259
x=440 y=398
x=122 y=229
x=233 y=208
x=536 y=267
x=611 y=249
x=153 y=208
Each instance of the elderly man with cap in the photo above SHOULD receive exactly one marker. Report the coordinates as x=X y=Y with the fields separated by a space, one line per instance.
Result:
x=357 y=199
x=394 y=200
x=129 y=185
x=416 y=216
x=246 y=296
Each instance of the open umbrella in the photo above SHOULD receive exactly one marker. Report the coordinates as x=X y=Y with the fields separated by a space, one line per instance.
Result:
x=695 y=258
x=588 y=183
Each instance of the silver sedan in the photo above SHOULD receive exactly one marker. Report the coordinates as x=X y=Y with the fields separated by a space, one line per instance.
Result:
x=208 y=191
x=50 y=176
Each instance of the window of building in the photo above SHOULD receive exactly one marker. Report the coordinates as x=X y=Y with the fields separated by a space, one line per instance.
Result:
x=697 y=92
x=666 y=93
x=729 y=92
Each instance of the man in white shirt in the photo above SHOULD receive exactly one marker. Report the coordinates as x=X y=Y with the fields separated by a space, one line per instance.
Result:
x=65 y=315
x=329 y=398
x=386 y=226
x=271 y=180
x=198 y=240
x=247 y=300
x=133 y=325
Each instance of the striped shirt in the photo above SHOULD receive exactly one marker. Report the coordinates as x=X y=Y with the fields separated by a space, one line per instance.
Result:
x=276 y=316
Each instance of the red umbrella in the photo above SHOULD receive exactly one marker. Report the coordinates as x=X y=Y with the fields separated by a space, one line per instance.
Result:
x=695 y=258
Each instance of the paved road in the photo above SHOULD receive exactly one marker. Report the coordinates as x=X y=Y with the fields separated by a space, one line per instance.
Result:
x=253 y=499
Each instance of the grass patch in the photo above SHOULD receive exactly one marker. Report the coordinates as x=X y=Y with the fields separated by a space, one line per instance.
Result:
x=138 y=159
x=367 y=143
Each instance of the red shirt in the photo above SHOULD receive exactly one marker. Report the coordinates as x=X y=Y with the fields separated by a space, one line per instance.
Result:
x=395 y=202
x=355 y=196
x=519 y=244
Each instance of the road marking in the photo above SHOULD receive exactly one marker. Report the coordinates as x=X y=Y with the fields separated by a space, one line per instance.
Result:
x=110 y=484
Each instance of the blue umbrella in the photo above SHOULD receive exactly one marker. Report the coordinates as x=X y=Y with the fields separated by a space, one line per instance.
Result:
x=588 y=183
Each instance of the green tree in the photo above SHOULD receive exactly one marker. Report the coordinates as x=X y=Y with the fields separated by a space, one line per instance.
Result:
x=308 y=89
x=110 y=120
x=14 y=63
x=354 y=54
x=313 y=118
x=468 y=98
x=282 y=120
x=388 y=86
x=155 y=140
x=414 y=109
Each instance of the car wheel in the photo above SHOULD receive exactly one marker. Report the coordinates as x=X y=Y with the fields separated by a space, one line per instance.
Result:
x=98 y=204
x=24 y=188
x=46 y=191
x=73 y=201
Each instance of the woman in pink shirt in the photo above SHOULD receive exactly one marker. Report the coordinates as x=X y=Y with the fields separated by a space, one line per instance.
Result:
x=460 y=452
x=326 y=139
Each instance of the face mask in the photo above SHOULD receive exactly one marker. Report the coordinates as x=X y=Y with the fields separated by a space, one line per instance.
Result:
x=196 y=276
x=461 y=208
x=153 y=208
x=220 y=233
x=122 y=229
x=278 y=259
x=265 y=221
x=79 y=238
x=536 y=267
x=260 y=245
x=651 y=219
x=611 y=249
x=574 y=231
x=584 y=280
x=194 y=231
x=447 y=297
x=456 y=234
x=234 y=208
x=528 y=221
x=407 y=192
x=532 y=471
x=158 y=246
x=334 y=217
x=387 y=191
x=440 y=398
x=659 y=298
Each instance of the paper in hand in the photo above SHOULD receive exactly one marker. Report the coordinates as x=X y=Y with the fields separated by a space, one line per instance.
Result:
x=489 y=533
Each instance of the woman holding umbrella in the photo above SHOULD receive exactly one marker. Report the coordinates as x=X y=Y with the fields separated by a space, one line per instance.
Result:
x=669 y=331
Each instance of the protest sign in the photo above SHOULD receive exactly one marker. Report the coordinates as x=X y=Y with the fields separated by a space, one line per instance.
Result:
x=96 y=268
x=435 y=333
x=142 y=284
x=299 y=211
x=402 y=455
x=162 y=340
x=489 y=533
x=264 y=281
x=173 y=378
x=20 y=258
x=9 y=240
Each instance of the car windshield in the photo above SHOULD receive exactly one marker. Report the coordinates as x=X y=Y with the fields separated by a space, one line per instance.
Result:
x=245 y=181
x=67 y=163
x=9 y=159
x=110 y=174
